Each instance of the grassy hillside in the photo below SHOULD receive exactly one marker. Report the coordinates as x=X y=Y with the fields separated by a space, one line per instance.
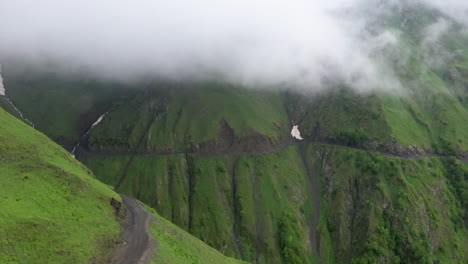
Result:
x=174 y=118
x=435 y=78
x=53 y=211
x=429 y=120
x=7 y=107
x=175 y=246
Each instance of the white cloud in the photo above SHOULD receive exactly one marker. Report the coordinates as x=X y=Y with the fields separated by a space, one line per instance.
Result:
x=266 y=42
x=456 y=9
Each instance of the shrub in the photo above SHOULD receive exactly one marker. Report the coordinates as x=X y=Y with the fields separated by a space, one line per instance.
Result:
x=352 y=137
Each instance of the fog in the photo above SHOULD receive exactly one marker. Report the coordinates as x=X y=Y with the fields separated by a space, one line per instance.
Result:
x=296 y=43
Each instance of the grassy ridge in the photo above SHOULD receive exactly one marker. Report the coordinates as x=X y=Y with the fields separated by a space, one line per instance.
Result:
x=53 y=211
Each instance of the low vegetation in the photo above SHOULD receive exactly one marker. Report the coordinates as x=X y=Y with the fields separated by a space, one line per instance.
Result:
x=52 y=209
x=176 y=246
x=381 y=209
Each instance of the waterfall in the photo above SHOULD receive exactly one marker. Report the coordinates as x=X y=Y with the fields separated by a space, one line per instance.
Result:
x=99 y=120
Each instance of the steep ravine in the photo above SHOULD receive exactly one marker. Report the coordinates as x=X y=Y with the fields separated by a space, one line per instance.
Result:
x=235 y=208
x=314 y=181
x=191 y=189
x=83 y=137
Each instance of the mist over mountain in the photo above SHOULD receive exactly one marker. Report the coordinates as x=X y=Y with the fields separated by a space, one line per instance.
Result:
x=302 y=44
x=262 y=132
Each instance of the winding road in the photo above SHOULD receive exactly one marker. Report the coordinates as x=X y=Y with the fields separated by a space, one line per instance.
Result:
x=282 y=147
x=138 y=244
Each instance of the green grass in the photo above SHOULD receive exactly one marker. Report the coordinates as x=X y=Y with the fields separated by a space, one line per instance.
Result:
x=337 y=112
x=176 y=246
x=431 y=114
x=52 y=210
x=189 y=115
x=200 y=111
x=407 y=129
x=7 y=107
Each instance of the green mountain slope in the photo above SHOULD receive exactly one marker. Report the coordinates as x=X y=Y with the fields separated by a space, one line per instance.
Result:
x=176 y=246
x=261 y=207
x=52 y=210
x=233 y=203
x=168 y=118
x=84 y=99
x=387 y=210
x=266 y=203
x=218 y=160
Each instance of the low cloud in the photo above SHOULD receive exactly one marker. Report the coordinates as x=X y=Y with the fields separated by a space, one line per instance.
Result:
x=299 y=43
x=455 y=9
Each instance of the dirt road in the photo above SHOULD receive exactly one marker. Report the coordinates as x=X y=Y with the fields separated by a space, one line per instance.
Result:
x=86 y=152
x=138 y=244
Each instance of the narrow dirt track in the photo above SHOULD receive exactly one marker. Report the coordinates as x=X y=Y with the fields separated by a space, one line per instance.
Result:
x=138 y=244
x=86 y=152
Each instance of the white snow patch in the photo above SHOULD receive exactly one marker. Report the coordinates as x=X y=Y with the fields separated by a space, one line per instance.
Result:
x=2 y=88
x=99 y=120
x=295 y=133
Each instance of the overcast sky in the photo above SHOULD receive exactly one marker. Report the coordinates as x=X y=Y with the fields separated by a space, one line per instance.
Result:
x=263 y=42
